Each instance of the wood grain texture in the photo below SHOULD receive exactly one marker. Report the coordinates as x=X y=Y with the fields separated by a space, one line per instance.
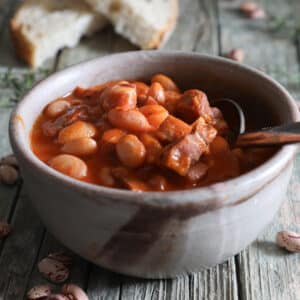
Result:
x=197 y=30
x=19 y=251
x=264 y=270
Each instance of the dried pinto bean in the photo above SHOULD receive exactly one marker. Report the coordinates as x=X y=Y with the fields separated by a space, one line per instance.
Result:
x=39 y=292
x=53 y=270
x=62 y=257
x=75 y=291
x=236 y=54
x=10 y=160
x=289 y=240
x=5 y=229
x=59 y=297
x=8 y=174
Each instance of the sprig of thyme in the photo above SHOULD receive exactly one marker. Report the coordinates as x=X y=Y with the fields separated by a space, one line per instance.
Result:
x=14 y=85
x=285 y=25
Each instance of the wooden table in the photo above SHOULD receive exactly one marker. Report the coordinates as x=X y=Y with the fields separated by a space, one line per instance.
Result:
x=260 y=272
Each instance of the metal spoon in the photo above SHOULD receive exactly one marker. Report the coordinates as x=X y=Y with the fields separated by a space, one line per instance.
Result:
x=271 y=136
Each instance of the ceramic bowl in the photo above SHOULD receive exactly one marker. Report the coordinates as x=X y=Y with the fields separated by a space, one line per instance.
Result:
x=159 y=234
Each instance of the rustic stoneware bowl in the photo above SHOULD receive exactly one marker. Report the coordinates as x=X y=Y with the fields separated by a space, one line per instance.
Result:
x=156 y=234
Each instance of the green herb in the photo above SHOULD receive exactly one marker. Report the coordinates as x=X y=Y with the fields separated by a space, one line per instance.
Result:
x=286 y=25
x=14 y=85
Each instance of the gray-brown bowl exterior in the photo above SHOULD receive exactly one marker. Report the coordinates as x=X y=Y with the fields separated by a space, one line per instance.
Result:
x=157 y=234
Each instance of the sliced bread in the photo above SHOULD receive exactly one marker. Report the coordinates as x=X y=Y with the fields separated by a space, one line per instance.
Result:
x=40 y=28
x=146 y=23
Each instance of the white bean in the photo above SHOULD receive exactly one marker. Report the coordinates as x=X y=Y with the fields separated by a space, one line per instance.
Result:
x=69 y=165
x=80 y=147
x=56 y=108
x=77 y=130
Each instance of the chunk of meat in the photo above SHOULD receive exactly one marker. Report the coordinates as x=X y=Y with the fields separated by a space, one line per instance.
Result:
x=180 y=156
x=155 y=114
x=172 y=129
x=171 y=102
x=120 y=95
x=197 y=171
x=205 y=130
x=128 y=180
x=192 y=105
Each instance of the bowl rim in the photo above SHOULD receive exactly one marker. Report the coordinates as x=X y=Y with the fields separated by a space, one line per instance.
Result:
x=271 y=168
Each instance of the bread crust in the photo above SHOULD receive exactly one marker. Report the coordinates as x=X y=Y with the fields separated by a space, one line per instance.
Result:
x=160 y=38
x=23 y=47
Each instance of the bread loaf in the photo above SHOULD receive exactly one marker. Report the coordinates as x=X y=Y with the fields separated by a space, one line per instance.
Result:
x=40 y=28
x=146 y=23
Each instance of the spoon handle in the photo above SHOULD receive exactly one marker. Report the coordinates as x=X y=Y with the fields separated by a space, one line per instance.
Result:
x=273 y=136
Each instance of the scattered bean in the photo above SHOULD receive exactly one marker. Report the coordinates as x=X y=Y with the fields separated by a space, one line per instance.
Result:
x=69 y=165
x=53 y=270
x=57 y=108
x=77 y=130
x=5 y=229
x=75 y=291
x=10 y=160
x=131 y=151
x=39 y=292
x=257 y=14
x=236 y=54
x=289 y=240
x=252 y=10
x=167 y=83
x=8 y=174
x=61 y=257
x=80 y=147
x=59 y=297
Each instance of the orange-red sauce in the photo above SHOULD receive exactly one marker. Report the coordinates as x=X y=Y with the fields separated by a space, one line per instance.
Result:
x=217 y=161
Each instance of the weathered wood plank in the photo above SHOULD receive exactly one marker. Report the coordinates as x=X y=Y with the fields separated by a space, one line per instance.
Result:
x=265 y=271
x=103 y=285
x=78 y=270
x=197 y=30
x=20 y=250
